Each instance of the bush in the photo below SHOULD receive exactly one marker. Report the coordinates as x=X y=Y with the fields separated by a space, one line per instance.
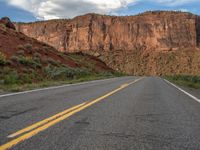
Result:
x=29 y=61
x=26 y=78
x=15 y=58
x=52 y=61
x=46 y=48
x=25 y=60
x=25 y=70
x=3 y=28
x=37 y=60
x=20 y=47
x=193 y=79
x=37 y=55
x=106 y=74
x=20 y=52
x=61 y=54
x=2 y=59
x=28 y=47
x=187 y=80
x=62 y=73
x=11 y=78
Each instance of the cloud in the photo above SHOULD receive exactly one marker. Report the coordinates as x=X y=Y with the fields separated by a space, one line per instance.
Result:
x=175 y=2
x=52 y=9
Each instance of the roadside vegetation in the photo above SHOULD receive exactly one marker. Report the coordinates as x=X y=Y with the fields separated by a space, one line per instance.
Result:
x=15 y=82
x=12 y=80
x=185 y=80
x=35 y=72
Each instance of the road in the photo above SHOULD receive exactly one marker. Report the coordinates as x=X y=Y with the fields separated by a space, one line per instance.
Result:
x=128 y=113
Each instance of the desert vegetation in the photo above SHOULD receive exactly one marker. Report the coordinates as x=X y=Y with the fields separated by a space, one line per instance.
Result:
x=28 y=72
x=185 y=80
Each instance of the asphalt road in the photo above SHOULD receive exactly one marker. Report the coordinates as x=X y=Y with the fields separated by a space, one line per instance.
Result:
x=115 y=114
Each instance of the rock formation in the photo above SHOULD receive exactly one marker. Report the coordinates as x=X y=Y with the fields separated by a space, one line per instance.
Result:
x=27 y=60
x=6 y=21
x=132 y=44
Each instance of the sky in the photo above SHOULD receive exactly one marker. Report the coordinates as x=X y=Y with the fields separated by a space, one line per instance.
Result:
x=32 y=10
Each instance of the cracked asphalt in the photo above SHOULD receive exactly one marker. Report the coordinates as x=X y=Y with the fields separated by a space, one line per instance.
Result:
x=147 y=115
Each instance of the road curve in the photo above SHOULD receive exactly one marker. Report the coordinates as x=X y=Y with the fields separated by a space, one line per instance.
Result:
x=125 y=113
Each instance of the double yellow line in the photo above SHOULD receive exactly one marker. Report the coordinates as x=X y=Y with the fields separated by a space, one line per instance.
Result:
x=38 y=127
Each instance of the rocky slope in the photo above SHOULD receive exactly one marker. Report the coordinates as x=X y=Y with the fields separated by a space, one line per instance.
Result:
x=26 y=60
x=152 y=43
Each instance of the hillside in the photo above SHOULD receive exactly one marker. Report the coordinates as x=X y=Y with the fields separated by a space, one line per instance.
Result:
x=151 y=43
x=24 y=60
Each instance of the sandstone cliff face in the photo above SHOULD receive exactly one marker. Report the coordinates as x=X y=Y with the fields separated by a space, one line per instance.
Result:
x=123 y=41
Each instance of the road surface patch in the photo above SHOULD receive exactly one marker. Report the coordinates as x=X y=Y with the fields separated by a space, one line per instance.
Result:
x=38 y=124
x=46 y=123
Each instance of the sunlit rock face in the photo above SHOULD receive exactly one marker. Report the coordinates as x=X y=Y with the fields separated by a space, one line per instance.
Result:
x=148 y=43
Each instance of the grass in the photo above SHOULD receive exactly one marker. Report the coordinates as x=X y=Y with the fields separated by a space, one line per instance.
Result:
x=30 y=72
x=185 y=80
x=15 y=87
x=2 y=59
x=28 y=79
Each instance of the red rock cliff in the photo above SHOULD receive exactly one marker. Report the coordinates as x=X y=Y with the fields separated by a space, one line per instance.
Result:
x=114 y=39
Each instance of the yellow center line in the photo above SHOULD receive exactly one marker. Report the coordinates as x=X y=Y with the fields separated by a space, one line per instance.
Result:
x=42 y=125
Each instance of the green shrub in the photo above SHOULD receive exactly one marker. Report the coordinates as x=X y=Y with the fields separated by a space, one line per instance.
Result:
x=25 y=70
x=193 y=79
x=187 y=80
x=20 y=47
x=26 y=78
x=28 y=47
x=2 y=59
x=29 y=61
x=37 y=55
x=11 y=78
x=52 y=61
x=6 y=70
x=37 y=60
x=25 y=60
x=9 y=62
x=3 y=28
x=118 y=74
x=61 y=54
x=46 y=48
x=15 y=58
x=106 y=74
x=62 y=73
x=20 y=52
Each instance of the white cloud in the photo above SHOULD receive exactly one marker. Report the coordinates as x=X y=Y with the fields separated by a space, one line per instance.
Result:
x=175 y=2
x=51 y=9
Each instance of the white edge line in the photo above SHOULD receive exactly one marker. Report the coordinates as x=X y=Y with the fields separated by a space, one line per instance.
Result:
x=188 y=94
x=53 y=87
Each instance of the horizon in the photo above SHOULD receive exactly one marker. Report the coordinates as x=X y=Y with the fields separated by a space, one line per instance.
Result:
x=31 y=11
